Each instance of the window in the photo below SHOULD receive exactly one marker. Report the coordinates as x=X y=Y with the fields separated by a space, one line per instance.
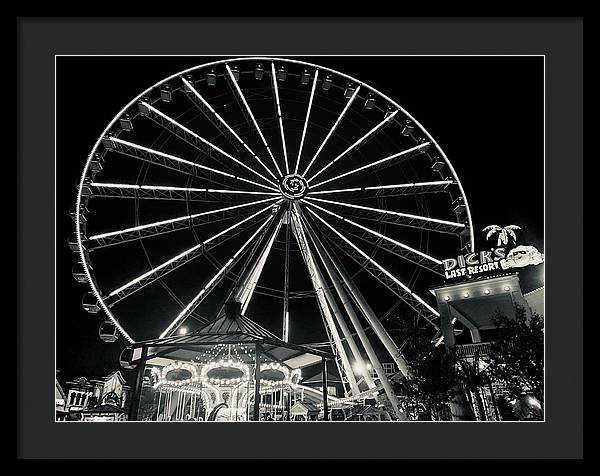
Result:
x=389 y=368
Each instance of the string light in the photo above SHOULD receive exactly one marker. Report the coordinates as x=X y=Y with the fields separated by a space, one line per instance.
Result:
x=163 y=376
x=205 y=382
x=225 y=364
x=289 y=377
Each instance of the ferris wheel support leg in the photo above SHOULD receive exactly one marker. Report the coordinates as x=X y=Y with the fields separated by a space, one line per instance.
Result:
x=347 y=306
x=319 y=287
x=244 y=293
x=339 y=316
x=371 y=317
x=372 y=356
x=346 y=332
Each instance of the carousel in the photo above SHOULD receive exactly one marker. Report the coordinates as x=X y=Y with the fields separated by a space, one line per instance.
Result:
x=219 y=387
x=231 y=370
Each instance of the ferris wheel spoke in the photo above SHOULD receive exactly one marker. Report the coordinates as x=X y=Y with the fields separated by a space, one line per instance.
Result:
x=310 y=102
x=332 y=130
x=378 y=127
x=204 y=106
x=200 y=143
x=398 y=218
x=166 y=226
x=285 y=328
x=240 y=95
x=279 y=118
x=395 y=250
x=380 y=191
x=394 y=246
x=152 y=156
x=404 y=155
x=216 y=279
x=180 y=259
x=163 y=192
x=381 y=274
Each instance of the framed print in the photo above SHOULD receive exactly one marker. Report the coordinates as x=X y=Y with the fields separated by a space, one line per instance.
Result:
x=300 y=244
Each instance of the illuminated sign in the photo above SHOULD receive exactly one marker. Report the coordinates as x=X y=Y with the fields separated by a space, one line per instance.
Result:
x=473 y=263
x=495 y=259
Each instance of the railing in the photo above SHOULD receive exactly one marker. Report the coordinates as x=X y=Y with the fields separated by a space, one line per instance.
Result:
x=469 y=350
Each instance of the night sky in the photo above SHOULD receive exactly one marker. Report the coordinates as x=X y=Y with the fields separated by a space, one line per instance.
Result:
x=485 y=112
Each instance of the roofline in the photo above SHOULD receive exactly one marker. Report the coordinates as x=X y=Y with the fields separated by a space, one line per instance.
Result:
x=120 y=376
x=534 y=290
x=60 y=389
x=253 y=340
x=472 y=281
x=167 y=341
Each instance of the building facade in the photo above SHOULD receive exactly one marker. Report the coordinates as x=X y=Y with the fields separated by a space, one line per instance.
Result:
x=467 y=310
x=106 y=399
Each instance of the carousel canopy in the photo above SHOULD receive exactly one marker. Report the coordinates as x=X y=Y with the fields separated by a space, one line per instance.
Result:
x=231 y=329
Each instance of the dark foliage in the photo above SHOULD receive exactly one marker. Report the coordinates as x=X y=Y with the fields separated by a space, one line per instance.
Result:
x=517 y=357
x=433 y=379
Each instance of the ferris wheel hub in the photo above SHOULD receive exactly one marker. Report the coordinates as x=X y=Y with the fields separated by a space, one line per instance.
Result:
x=293 y=186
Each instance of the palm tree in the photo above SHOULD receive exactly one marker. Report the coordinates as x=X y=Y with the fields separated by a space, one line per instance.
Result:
x=504 y=233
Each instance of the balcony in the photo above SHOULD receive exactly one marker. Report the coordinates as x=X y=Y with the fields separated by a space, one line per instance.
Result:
x=469 y=350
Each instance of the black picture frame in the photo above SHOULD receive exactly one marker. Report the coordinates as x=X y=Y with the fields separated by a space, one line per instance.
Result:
x=560 y=40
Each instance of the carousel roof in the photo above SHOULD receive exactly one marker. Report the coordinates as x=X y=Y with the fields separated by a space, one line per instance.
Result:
x=231 y=329
x=238 y=325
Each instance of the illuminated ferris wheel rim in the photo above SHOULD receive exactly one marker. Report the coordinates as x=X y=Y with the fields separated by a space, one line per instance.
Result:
x=285 y=191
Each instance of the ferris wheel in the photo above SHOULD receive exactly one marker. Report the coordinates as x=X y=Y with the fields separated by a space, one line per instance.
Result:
x=257 y=156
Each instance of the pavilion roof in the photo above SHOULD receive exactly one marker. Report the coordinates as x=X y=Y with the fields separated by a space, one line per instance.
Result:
x=232 y=330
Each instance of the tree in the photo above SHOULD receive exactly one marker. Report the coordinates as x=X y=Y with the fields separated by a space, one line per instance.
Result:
x=517 y=356
x=433 y=376
x=504 y=233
